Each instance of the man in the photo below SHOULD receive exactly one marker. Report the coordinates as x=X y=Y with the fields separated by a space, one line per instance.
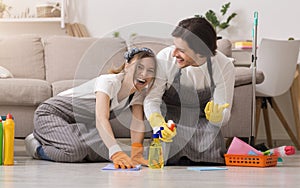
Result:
x=194 y=87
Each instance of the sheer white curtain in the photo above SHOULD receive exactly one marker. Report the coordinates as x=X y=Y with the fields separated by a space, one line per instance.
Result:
x=73 y=10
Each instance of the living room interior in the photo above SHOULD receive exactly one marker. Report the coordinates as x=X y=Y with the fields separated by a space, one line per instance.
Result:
x=81 y=23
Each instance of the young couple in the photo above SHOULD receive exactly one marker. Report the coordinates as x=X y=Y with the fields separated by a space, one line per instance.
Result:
x=189 y=82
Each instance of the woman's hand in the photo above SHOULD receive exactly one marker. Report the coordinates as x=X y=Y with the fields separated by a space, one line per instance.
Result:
x=137 y=151
x=121 y=160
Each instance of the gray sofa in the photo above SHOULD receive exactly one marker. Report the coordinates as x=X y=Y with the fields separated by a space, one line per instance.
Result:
x=42 y=67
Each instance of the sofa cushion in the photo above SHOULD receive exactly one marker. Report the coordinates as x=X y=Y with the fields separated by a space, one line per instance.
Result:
x=154 y=43
x=225 y=46
x=68 y=58
x=24 y=92
x=63 y=85
x=23 y=56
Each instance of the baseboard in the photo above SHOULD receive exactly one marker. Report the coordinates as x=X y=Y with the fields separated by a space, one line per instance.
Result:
x=277 y=143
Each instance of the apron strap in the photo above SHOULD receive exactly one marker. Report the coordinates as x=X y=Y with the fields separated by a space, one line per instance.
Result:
x=212 y=83
x=114 y=113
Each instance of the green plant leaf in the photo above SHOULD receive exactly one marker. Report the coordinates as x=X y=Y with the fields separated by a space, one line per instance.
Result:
x=212 y=18
x=230 y=17
x=116 y=34
x=223 y=25
x=224 y=8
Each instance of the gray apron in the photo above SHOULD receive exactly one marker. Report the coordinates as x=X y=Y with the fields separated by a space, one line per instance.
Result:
x=196 y=139
x=66 y=128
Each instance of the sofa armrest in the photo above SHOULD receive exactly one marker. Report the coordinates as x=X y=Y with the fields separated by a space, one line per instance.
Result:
x=243 y=76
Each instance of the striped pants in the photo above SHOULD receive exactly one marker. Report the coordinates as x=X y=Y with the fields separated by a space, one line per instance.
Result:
x=67 y=131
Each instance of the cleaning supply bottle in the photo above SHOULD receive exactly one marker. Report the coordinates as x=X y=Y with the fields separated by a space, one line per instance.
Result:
x=1 y=142
x=282 y=151
x=171 y=125
x=156 y=159
x=167 y=145
x=9 y=135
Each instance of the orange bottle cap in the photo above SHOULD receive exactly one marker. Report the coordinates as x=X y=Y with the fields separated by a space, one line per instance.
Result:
x=8 y=116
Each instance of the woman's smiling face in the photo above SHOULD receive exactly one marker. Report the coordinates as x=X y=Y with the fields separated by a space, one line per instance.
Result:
x=142 y=72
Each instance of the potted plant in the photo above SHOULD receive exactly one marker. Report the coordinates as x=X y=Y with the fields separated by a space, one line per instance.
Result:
x=219 y=22
x=3 y=8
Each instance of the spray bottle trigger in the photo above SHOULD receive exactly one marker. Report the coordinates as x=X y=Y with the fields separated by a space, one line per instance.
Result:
x=171 y=125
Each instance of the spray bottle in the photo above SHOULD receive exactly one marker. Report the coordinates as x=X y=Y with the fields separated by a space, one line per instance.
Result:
x=9 y=135
x=1 y=142
x=156 y=159
x=166 y=145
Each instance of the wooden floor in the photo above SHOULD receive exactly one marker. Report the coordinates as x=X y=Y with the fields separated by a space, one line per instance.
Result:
x=28 y=173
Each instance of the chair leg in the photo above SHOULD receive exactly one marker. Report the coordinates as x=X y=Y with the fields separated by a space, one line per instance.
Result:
x=267 y=123
x=285 y=124
x=294 y=91
x=257 y=116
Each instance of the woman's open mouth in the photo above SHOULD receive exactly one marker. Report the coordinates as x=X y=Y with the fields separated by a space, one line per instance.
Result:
x=141 y=81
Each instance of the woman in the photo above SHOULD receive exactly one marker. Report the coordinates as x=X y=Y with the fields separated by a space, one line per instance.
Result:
x=75 y=125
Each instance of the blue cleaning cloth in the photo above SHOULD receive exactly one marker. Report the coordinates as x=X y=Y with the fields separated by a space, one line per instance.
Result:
x=110 y=166
x=206 y=168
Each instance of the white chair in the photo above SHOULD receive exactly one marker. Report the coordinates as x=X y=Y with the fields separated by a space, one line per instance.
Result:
x=278 y=61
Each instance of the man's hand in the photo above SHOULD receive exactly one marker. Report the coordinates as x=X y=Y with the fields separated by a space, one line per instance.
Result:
x=214 y=112
x=167 y=134
x=156 y=120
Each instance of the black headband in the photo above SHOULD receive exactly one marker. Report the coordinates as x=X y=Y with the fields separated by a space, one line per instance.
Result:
x=130 y=53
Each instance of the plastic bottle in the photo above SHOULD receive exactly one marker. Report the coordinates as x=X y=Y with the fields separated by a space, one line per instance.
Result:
x=1 y=142
x=8 y=135
x=167 y=145
x=155 y=159
x=283 y=151
x=171 y=125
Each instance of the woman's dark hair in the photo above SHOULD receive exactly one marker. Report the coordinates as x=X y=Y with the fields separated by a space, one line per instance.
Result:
x=199 y=35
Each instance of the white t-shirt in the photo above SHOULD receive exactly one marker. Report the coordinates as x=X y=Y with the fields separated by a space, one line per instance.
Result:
x=109 y=84
x=197 y=77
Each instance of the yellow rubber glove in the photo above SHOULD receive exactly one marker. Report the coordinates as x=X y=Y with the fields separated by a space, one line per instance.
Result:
x=121 y=160
x=214 y=112
x=137 y=151
x=156 y=120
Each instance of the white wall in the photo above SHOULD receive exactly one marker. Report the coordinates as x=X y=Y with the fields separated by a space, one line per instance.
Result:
x=277 y=19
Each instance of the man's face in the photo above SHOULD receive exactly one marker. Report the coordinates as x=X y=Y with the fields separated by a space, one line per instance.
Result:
x=185 y=56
